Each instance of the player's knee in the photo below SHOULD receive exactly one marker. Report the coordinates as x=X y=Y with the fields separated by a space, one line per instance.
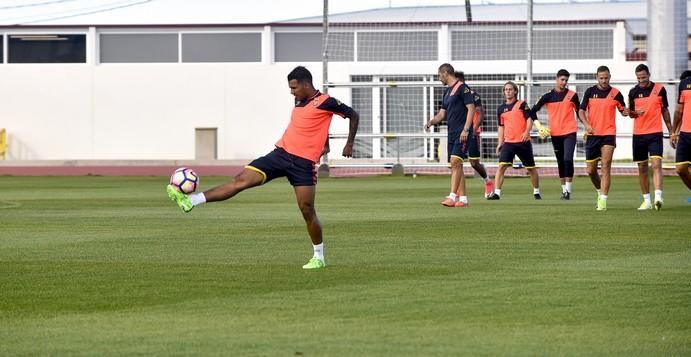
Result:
x=307 y=210
x=682 y=171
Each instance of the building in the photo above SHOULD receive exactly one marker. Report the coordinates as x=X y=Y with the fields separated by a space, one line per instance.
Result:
x=186 y=88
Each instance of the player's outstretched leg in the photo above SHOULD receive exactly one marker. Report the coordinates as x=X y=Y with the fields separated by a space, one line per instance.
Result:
x=181 y=199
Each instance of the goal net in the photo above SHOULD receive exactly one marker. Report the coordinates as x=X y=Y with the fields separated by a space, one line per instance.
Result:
x=384 y=63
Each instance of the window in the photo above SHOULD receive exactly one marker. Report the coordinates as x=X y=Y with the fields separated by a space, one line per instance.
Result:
x=511 y=44
x=139 y=48
x=46 y=48
x=397 y=46
x=221 y=47
x=307 y=46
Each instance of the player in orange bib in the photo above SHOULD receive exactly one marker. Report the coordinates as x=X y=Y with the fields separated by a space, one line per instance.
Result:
x=295 y=156
x=680 y=136
x=514 y=140
x=648 y=107
x=599 y=106
x=562 y=108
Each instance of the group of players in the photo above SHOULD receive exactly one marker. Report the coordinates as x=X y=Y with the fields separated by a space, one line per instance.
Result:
x=305 y=140
x=648 y=107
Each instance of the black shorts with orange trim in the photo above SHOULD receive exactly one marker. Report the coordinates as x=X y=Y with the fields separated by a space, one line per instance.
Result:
x=280 y=163
x=595 y=143
x=524 y=151
x=647 y=144
x=684 y=149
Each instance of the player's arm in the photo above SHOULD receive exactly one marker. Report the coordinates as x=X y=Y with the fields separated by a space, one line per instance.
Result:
x=468 y=121
x=621 y=106
x=352 y=130
x=441 y=114
x=541 y=130
x=500 y=138
x=529 y=123
x=633 y=114
x=676 y=126
x=500 y=130
x=481 y=116
x=665 y=110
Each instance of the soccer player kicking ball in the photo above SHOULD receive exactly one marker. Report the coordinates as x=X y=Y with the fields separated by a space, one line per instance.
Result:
x=648 y=106
x=562 y=107
x=295 y=156
x=598 y=108
x=514 y=140
x=680 y=136
x=458 y=108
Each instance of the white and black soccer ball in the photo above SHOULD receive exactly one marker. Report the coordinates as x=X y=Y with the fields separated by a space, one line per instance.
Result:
x=184 y=180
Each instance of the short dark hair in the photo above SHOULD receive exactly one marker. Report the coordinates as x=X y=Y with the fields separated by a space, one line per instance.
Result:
x=460 y=75
x=447 y=68
x=300 y=74
x=641 y=67
x=602 y=69
x=685 y=74
x=563 y=72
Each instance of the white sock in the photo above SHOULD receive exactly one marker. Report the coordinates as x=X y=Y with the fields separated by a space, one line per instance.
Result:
x=463 y=199
x=497 y=191
x=486 y=179
x=604 y=197
x=319 y=251
x=599 y=193
x=563 y=188
x=569 y=186
x=658 y=195
x=646 y=197
x=197 y=198
x=452 y=196
x=536 y=191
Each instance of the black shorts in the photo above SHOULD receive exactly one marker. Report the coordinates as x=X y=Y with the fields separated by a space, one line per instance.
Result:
x=458 y=149
x=595 y=143
x=684 y=149
x=524 y=151
x=474 y=148
x=280 y=163
x=647 y=144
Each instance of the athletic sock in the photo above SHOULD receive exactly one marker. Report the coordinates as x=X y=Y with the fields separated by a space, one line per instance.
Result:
x=453 y=196
x=463 y=199
x=498 y=191
x=604 y=197
x=319 y=250
x=536 y=191
x=569 y=186
x=658 y=195
x=646 y=197
x=197 y=198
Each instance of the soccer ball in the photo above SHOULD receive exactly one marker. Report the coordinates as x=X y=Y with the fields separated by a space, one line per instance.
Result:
x=185 y=180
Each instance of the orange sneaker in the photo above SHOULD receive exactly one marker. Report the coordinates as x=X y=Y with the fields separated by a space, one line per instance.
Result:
x=489 y=188
x=448 y=202
x=461 y=204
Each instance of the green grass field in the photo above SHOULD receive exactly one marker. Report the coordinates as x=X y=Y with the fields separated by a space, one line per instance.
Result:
x=109 y=266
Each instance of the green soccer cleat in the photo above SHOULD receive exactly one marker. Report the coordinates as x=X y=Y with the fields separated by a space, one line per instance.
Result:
x=645 y=206
x=601 y=204
x=314 y=263
x=180 y=198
